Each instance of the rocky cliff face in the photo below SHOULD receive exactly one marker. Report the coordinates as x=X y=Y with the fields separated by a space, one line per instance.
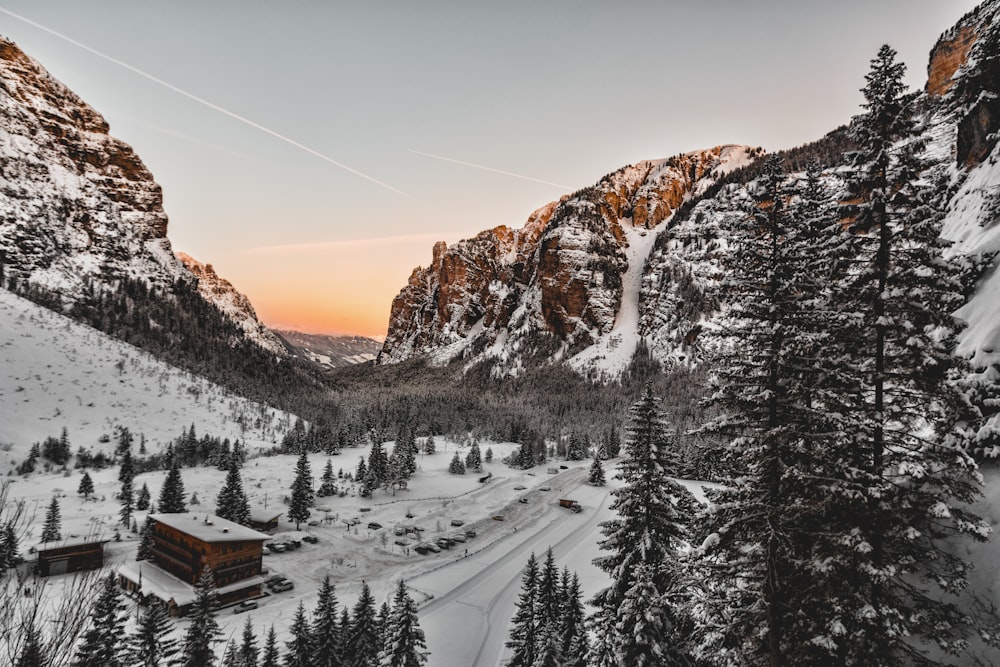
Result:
x=76 y=204
x=557 y=286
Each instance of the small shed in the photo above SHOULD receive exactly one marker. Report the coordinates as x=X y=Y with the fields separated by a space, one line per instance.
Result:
x=264 y=519
x=70 y=555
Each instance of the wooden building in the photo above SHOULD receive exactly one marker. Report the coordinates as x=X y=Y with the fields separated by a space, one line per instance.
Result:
x=70 y=555
x=261 y=519
x=183 y=544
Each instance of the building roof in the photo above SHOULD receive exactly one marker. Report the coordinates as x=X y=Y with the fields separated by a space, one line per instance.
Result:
x=265 y=516
x=72 y=541
x=209 y=527
x=151 y=580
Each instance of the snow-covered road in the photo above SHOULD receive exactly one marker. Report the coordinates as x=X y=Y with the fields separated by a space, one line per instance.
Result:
x=474 y=598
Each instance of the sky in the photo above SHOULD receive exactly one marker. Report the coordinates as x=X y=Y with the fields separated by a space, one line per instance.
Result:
x=313 y=151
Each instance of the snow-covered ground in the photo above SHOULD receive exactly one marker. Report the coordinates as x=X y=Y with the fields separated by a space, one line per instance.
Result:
x=612 y=352
x=58 y=373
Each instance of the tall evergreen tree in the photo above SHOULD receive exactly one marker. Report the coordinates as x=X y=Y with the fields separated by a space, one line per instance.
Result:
x=894 y=337
x=474 y=459
x=596 y=476
x=171 y=499
x=204 y=630
x=548 y=600
x=142 y=500
x=362 y=644
x=232 y=502
x=126 y=475
x=573 y=646
x=144 y=550
x=299 y=653
x=102 y=645
x=404 y=643
x=248 y=653
x=576 y=448
x=326 y=633
x=456 y=467
x=650 y=528
x=524 y=639
x=271 y=656
x=641 y=624
x=302 y=495
x=86 y=488
x=378 y=464
x=151 y=644
x=328 y=483
x=53 y=522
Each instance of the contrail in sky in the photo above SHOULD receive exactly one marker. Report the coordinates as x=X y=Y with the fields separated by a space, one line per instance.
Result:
x=200 y=100
x=497 y=171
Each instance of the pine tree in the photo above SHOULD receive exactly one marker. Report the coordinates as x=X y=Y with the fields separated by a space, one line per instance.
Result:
x=126 y=475
x=32 y=652
x=204 y=630
x=271 y=657
x=910 y=481
x=378 y=465
x=101 y=645
x=430 y=447
x=405 y=645
x=548 y=600
x=596 y=477
x=362 y=645
x=456 y=467
x=9 y=556
x=248 y=653
x=384 y=618
x=650 y=528
x=523 y=641
x=302 y=495
x=326 y=633
x=171 y=499
x=151 y=645
x=53 y=523
x=229 y=658
x=328 y=483
x=488 y=456
x=362 y=470
x=86 y=488
x=576 y=450
x=299 y=649
x=641 y=624
x=232 y=502
x=474 y=459
x=142 y=501
x=573 y=644
x=144 y=550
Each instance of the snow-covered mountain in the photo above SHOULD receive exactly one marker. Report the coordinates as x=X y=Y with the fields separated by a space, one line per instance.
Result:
x=636 y=256
x=79 y=212
x=564 y=286
x=332 y=351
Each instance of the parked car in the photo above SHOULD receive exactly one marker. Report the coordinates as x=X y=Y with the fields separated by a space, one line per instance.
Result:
x=520 y=487
x=457 y=537
x=246 y=605
x=545 y=488
x=470 y=534
x=523 y=500
x=443 y=542
x=294 y=544
x=432 y=547
x=374 y=525
x=399 y=530
x=457 y=522
x=275 y=578
x=282 y=586
x=311 y=539
x=564 y=467
x=402 y=543
x=313 y=523
x=420 y=549
x=277 y=548
x=497 y=517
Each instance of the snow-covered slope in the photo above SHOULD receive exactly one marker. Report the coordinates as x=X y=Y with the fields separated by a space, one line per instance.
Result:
x=60 y=374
